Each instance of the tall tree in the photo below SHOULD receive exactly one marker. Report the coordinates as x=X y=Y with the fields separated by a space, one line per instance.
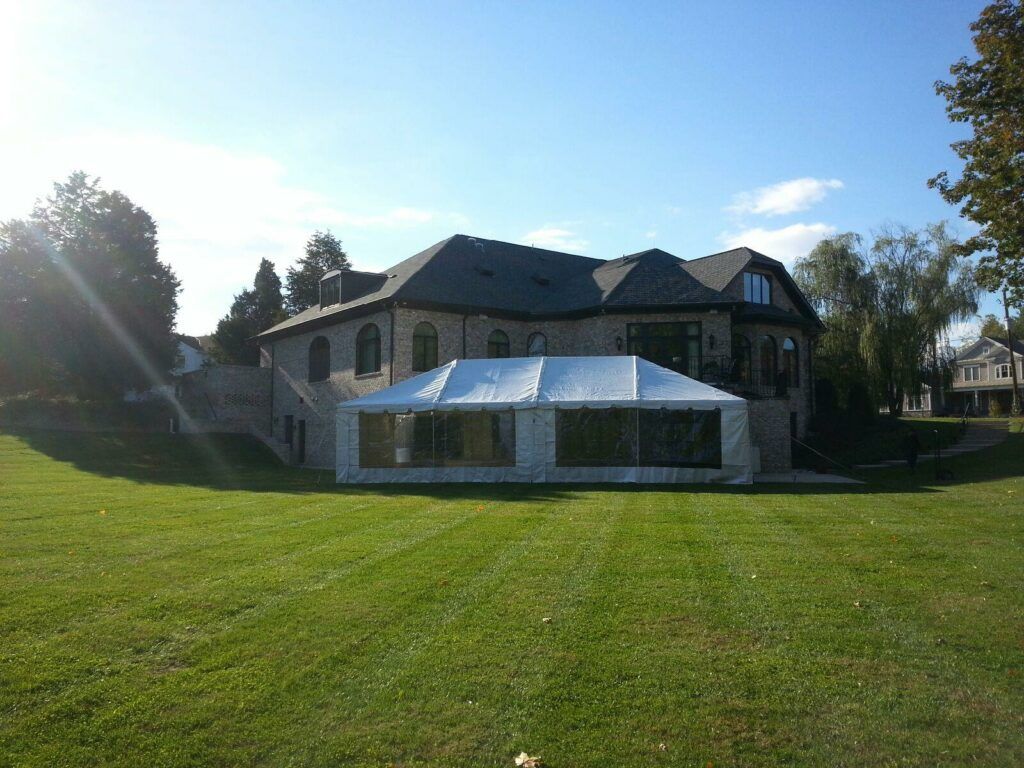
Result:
x=252 y=311
x=920 y=287
x=323 y=253
x=988 y=94
x=835 y=278
x=85 y=289
x=886 y=309
x=993 y=326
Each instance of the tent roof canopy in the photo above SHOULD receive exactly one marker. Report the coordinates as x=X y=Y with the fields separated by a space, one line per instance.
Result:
x=545 y=382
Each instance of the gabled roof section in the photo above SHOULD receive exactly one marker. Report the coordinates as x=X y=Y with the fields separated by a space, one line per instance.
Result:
x=719 y=269
x=973 y=350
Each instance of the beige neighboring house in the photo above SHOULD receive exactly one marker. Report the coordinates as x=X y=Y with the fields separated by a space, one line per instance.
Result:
x=735 y=320
x=983 y=375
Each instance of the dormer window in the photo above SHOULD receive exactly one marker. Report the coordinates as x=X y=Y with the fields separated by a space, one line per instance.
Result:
x=757 y=288
x=330 y=289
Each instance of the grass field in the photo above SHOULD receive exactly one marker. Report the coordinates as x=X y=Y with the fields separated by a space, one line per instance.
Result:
x=160 y=607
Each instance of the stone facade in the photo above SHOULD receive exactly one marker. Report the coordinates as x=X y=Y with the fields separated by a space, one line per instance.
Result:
x=226 y=398
x=466 y=335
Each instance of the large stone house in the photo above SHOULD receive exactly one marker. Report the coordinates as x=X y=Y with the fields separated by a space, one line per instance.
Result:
x=734 y=319
x=983 y=375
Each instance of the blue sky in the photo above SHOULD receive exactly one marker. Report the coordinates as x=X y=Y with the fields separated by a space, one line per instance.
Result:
x=599 y=128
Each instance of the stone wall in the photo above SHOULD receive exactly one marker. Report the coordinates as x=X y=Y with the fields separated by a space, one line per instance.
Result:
x=314 y=402
x=799 y=397
x=226 y=398
x=769 y=433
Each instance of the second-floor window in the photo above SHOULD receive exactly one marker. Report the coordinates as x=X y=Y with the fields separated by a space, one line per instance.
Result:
x=319 y=359
x=424 y=347
x=757 y=288
x=1003 y=371
x=972 y=373
x=675 y=346
x=368 y=349
x=497 y=344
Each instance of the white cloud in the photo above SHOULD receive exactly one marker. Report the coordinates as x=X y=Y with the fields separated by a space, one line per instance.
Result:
x=786 y=244
x=218 y=211
x=785 y=197
x=650 y=235
x=555 y=238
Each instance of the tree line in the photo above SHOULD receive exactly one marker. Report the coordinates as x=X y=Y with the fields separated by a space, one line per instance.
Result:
x=88 y=309
x=268 y=302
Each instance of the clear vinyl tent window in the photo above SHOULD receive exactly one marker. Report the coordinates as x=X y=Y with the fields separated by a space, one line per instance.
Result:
x=437 y=439
x=644 y=437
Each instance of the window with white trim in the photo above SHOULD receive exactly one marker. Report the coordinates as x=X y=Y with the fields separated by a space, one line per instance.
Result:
x=972 y=373
x=1003 y=371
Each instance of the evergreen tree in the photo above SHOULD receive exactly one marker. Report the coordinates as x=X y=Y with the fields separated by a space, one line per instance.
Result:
x=323 y=253
x=252 y=311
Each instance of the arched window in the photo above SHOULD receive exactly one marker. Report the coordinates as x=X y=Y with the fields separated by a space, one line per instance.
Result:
x=497 y=344
x=791 y=362
x=741 y=362
x=319 y=359
x=368 y=349
x=767 y=355
x=424 y=347
x=537 y=345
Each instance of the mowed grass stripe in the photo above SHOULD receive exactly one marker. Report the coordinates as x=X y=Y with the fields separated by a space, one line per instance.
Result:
x=305 y=624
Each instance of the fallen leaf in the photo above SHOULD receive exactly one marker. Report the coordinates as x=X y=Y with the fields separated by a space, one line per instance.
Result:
x=546 y=619
x=856 y=604
x=526 y=761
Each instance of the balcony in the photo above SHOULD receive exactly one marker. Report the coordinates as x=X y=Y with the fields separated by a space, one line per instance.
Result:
x=737 y=377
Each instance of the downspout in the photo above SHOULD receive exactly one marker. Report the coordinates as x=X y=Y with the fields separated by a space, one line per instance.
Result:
x=391 y=353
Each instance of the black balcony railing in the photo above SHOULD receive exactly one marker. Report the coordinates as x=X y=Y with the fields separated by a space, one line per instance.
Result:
x=738 y=376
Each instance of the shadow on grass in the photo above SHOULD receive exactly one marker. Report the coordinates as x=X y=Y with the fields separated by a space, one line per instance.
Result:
x=232 y=462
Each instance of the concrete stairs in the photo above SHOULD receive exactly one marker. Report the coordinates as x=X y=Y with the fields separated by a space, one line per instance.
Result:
x=281 y=449
x=979 y=436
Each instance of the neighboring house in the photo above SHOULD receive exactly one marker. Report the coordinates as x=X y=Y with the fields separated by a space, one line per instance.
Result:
x=194 y=352
x=193 y=355
x=983 y=374
x=734 y=319
x=916 y=405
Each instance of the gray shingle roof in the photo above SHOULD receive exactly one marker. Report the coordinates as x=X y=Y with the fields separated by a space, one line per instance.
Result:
x=468 y=273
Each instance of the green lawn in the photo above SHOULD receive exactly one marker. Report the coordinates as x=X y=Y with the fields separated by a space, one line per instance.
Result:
x=166 y=604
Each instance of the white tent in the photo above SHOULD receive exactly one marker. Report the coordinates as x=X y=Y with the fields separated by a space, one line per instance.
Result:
x=545 y=419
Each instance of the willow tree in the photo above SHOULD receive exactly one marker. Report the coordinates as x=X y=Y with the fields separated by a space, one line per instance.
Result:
x=920 y=287
x=835 y=278
x=887 y=309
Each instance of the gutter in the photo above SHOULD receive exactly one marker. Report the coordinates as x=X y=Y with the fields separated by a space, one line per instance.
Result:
x=504 y=314
x=391 y=353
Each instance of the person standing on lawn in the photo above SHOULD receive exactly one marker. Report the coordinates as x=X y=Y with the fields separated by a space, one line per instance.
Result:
x=912 y=445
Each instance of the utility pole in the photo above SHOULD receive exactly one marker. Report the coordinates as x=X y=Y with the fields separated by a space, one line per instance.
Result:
x=1015 y=402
